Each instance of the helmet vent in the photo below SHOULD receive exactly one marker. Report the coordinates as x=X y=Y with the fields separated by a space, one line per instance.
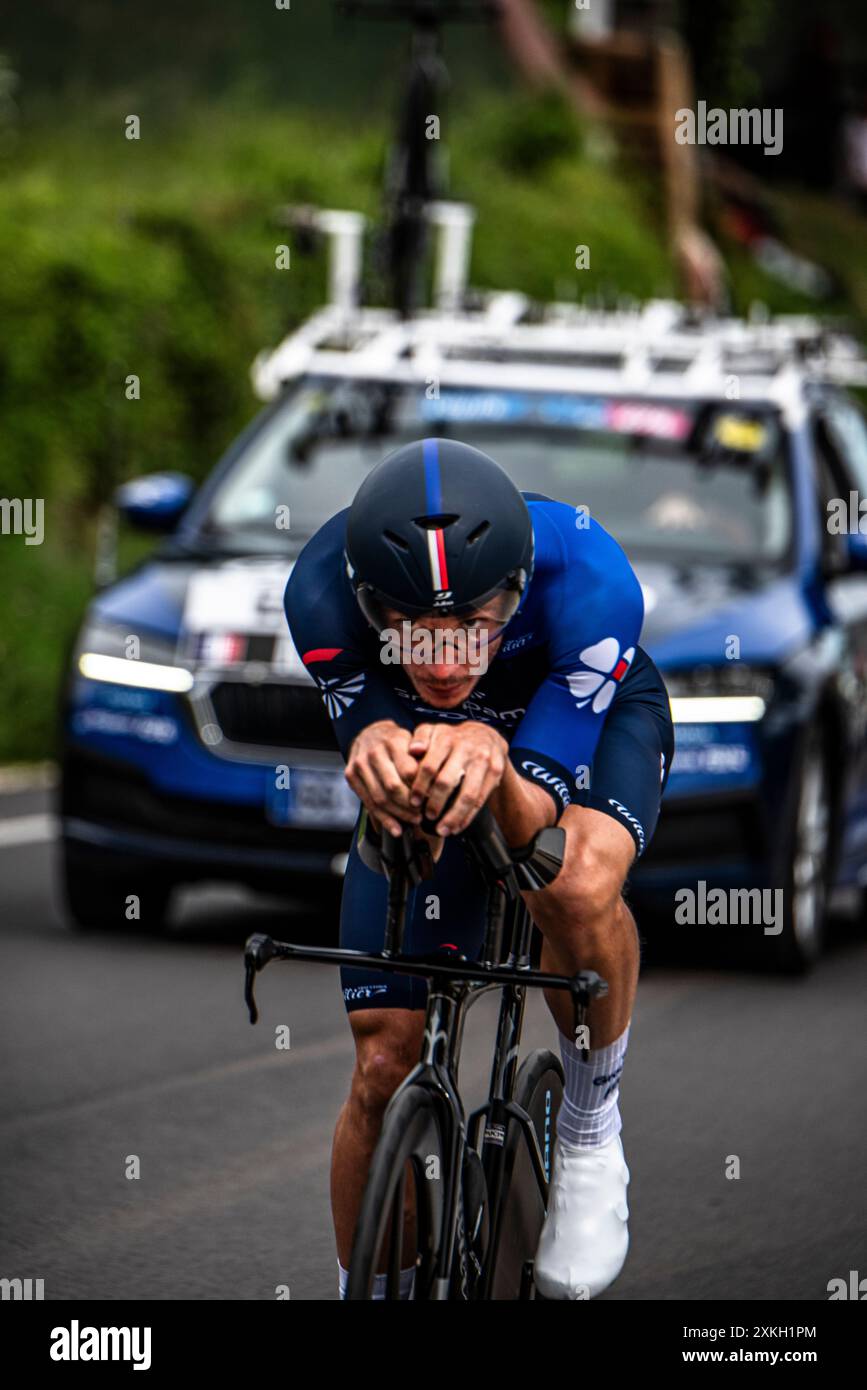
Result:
x=397 y=541
x=435 y=523
x=478 y=533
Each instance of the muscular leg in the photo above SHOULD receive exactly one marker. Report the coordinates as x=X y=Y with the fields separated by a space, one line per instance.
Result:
x=387 y=1046
x=586 y=925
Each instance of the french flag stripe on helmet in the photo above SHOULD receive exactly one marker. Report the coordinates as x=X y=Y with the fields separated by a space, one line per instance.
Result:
x=437 y=554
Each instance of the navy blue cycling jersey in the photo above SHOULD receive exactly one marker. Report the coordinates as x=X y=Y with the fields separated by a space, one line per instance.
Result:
x=568 y=654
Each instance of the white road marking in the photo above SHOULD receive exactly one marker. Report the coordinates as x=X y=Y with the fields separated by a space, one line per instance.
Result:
x=27 y=830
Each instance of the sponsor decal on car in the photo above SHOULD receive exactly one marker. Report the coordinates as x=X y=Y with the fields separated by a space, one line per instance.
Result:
x=150 y=728
x=646 y=418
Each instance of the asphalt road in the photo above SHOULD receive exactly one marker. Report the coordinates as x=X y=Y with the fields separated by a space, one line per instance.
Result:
x=123 y=1045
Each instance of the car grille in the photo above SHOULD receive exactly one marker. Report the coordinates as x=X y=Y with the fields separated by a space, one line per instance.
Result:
x=274 y=716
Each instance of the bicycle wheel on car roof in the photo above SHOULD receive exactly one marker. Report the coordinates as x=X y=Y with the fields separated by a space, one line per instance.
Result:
x=400 y=1224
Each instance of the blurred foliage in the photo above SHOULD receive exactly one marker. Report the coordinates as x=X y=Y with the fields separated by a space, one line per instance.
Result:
x=748 y=51
x=44 y=592
x=157 y=259
x=721 y=38
x=166 y=59
x=536 y=131
x=534 y=209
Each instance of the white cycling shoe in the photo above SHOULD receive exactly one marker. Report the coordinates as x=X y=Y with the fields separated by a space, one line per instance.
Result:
x=585 y=1237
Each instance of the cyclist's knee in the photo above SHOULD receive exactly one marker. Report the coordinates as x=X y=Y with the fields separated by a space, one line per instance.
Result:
x=386 y=1048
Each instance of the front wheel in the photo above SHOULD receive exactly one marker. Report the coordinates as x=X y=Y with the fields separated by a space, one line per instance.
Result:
x=538 y=1091
x=401 y=1219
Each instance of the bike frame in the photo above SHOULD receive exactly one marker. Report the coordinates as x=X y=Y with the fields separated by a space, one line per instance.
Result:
x=454 y=986
x=437 y=1070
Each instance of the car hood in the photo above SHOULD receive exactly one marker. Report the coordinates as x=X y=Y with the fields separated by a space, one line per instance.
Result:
x=168 y=598
x=693 y=611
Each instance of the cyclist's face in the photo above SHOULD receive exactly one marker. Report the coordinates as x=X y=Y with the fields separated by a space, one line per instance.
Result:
x=444 y=657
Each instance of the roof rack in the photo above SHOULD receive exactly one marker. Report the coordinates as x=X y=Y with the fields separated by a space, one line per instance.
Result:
x=503 y=339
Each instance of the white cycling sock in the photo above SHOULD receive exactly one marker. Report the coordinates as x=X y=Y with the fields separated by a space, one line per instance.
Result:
x=407 y=1278
x=589 y=1115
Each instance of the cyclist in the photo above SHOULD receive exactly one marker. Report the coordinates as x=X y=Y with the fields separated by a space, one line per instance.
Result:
x=471 y=639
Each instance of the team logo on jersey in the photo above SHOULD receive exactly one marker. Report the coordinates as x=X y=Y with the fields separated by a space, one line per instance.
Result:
x=339 y=694
x=607 y=669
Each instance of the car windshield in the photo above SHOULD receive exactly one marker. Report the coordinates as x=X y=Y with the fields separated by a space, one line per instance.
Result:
x=674 y=480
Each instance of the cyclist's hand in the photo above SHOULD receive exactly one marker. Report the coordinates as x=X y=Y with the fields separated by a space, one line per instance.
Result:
x=380 y=770
x=471 y=753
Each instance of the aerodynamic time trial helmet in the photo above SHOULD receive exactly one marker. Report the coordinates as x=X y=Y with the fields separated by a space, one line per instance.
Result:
x=438 y=528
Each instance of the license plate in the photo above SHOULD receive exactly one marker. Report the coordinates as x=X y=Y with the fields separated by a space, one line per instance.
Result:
x=313 y=798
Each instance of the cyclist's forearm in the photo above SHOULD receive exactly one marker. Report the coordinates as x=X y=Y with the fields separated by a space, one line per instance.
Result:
x=520 y=808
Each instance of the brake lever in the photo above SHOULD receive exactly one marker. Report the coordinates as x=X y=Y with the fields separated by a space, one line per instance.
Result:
x=257 y=953
x=585 y=987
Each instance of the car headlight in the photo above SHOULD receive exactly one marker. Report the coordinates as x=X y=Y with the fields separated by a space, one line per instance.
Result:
x=732 y=694
x=116 y=654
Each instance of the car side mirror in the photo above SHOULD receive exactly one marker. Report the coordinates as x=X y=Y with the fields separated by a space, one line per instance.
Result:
x=156 y=502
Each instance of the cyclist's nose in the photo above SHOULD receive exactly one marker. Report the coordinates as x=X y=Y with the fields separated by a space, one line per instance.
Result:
x=446 y=671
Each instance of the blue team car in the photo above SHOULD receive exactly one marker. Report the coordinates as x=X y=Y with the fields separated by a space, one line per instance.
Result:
x=725 y=458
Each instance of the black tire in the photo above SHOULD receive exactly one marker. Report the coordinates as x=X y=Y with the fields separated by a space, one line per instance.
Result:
x=805 y=867
x=411 y=1137
x=538 y=1090
x=97 y=900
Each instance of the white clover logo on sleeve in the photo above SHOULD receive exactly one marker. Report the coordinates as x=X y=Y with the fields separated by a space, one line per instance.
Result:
x=607 y=669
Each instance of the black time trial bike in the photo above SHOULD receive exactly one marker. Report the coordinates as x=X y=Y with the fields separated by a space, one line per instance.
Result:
x=460 y=1198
